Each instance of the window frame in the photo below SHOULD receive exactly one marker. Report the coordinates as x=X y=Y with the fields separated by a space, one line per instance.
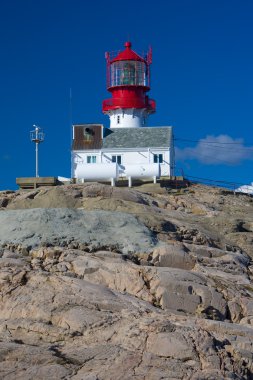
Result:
x=92 y=159
x=117 y=158
x=158 y=158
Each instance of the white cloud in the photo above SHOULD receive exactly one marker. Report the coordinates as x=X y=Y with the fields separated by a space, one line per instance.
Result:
x=216 y=150
x=246 y=189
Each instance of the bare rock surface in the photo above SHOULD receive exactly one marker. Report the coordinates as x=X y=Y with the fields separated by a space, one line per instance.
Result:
x=33 y=227
x=101 y=283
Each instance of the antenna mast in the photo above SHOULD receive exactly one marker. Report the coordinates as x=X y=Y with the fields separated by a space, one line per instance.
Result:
x=37 y=136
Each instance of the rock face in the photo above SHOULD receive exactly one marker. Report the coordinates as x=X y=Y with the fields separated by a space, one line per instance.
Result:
x=94 y=229
x=101 y=283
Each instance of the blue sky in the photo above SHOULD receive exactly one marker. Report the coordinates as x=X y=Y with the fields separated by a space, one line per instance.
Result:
x=202 y=79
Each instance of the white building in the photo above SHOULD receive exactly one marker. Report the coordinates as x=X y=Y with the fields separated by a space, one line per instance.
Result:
x=110 y=154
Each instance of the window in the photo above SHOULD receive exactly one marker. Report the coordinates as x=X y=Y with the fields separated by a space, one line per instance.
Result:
x=118 y=119
x=91 y=159
x=116 y=159
x=128 y=73
x=88 y=134
x=158 y=158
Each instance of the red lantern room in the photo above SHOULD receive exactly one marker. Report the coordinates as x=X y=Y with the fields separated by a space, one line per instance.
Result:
x=128 y=80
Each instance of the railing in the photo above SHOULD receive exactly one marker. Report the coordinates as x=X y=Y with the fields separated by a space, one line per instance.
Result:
x=152 y=104
x=129 y=103
x=113 y=54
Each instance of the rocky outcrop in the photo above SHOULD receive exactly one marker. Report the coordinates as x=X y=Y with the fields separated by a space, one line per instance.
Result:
x=70 y=227
x=114 y=283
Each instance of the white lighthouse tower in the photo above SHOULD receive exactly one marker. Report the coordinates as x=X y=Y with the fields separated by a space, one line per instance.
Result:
x=128 y=80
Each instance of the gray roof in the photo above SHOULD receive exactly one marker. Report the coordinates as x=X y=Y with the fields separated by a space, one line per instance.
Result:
x=143 y=137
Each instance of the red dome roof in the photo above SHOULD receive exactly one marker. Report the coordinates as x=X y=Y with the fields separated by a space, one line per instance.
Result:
x=128 y=54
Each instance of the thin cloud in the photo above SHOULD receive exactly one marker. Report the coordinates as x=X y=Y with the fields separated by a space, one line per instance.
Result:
x=217 y=150
x=6 y=157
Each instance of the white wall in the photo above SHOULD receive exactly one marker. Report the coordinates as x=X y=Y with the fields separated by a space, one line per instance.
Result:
x=128 y=118
x=128 y=157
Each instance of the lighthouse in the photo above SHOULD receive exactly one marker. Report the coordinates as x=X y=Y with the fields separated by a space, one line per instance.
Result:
x=128 y=150
x=128 y=81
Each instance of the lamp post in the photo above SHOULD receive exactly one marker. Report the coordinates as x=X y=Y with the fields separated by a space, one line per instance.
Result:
x=37 y=136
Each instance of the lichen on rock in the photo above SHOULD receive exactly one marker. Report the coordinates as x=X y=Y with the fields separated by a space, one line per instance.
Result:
x=115 y=283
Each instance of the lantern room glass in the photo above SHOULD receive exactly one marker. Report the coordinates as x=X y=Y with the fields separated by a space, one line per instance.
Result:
x=128 y=73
